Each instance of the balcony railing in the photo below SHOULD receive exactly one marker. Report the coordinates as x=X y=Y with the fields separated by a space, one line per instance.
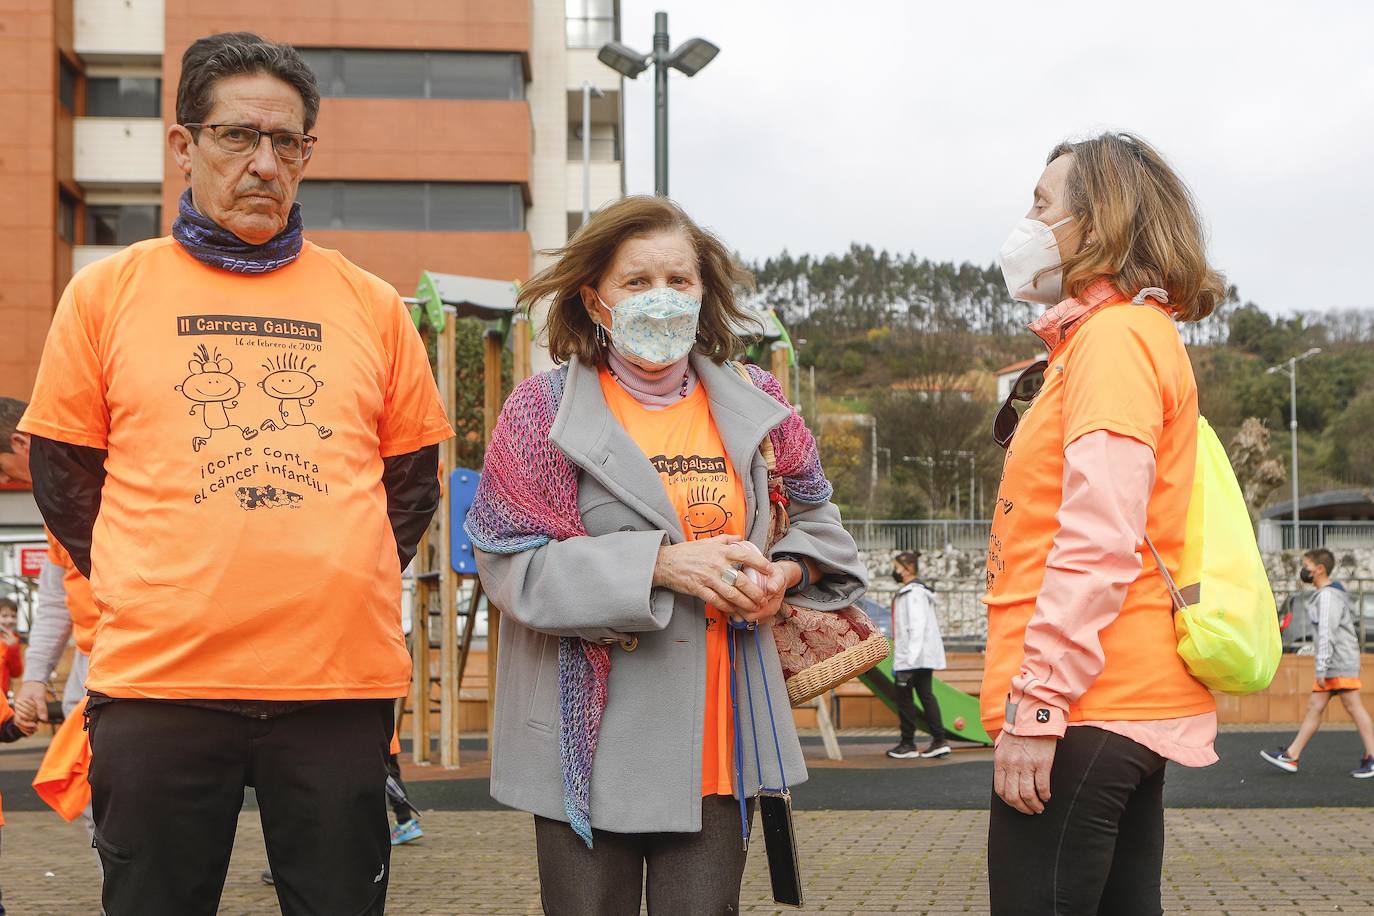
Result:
x=603 y=149
x=119 y=151
x=108 y=30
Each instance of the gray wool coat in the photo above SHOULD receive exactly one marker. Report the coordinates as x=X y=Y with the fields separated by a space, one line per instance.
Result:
x=647 y=771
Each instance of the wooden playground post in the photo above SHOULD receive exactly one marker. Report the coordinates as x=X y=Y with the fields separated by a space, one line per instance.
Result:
x=448 y=610
x=782 y=365
x=433 y=576
x=520 y=348
x=491 y=363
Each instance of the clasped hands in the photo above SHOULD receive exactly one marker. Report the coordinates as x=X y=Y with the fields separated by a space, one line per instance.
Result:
x=30 y=706
x=718 y=571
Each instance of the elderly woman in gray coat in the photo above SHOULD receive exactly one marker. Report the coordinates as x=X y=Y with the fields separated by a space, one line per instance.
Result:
x=620 y=525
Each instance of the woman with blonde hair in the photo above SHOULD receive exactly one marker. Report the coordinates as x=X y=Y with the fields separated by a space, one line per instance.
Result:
x=619 y=524
x=1083 y=686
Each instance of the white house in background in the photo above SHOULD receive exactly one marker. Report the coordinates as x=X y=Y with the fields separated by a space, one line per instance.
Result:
x=1007 y=375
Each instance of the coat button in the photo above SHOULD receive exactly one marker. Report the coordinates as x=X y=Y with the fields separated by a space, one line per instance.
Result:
x=629 y=645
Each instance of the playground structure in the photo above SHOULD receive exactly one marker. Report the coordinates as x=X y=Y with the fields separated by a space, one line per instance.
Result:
x=445 y=558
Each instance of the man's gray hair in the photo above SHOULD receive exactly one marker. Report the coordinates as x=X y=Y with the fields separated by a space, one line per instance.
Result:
x=11 y=412
x=215 y=57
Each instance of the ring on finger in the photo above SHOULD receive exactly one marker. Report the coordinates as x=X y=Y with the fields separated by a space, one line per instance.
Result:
x=729 y=575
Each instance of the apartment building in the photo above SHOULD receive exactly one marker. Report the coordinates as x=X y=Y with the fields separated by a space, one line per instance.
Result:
x=450 y=135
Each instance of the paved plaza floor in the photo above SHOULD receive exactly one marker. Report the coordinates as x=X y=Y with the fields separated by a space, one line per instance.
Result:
x=1249 y=852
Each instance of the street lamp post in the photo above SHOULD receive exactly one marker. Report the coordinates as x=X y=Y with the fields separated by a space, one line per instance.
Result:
x=1289 y=367
x=689 y=58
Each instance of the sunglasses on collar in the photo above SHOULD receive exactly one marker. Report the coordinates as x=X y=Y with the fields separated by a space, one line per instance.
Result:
x=1025 y=388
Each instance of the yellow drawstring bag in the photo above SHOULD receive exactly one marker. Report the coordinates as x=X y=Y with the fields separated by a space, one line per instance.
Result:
x=1224 y=615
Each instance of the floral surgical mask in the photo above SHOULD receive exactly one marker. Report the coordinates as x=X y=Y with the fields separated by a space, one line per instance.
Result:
x=655 y=328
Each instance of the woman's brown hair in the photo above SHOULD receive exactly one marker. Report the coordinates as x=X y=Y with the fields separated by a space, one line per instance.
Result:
x=1139 y=224
x=588 y=254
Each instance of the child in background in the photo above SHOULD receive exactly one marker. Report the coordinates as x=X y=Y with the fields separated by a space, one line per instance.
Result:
x=12 y=663
x=917 y=653
x=1338 y=665
x=13 y=726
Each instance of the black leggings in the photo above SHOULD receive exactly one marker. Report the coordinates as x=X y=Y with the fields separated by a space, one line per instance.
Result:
x=1099 y=846
x=681 y=874
x=920 y=679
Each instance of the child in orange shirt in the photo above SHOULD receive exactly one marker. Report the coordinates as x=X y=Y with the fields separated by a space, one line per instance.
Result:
x=13 y=726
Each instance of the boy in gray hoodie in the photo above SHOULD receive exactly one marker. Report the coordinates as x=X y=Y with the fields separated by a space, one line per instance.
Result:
x=1332 y=612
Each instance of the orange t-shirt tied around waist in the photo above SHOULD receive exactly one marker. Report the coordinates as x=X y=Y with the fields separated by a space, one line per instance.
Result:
x=684 y=446
x=1125 y=371
x=242 y=549
x=61 y=780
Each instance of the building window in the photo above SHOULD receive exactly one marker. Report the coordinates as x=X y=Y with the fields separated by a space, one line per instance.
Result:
x=66 y=83
x=123 y=97
x=121 y=224
x=66 y=217
x=365 y=74
x=591 y=23
x=432 y=206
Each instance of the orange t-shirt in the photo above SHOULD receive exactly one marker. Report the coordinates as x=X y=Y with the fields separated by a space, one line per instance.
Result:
x=242 y=550
x=80 y=602
x=682 y=443
x=1125 y=370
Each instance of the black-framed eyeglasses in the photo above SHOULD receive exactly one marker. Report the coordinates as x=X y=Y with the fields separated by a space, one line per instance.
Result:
x=238 y=140
x=1025 y=388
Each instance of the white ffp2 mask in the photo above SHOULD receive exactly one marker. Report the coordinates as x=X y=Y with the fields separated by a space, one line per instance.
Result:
x=1029 y=249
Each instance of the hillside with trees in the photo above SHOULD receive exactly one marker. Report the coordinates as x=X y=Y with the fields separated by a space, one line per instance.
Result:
x=914 y=345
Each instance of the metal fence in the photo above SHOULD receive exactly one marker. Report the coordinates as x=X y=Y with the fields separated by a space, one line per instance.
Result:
x=964 y=624
x=969 y=534
x=1276 y=535
x=902 y=534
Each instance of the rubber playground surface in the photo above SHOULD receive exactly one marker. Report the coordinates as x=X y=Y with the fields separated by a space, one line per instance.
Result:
x=868 y=780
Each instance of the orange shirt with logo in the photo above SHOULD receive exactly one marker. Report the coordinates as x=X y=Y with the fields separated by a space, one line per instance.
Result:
x=242 y=549
x=684 y=446
x=1124 y=370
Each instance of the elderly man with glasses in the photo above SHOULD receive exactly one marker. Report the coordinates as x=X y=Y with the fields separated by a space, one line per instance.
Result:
x=234 y=434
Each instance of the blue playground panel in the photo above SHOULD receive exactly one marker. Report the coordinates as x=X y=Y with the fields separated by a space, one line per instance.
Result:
x=462 y=490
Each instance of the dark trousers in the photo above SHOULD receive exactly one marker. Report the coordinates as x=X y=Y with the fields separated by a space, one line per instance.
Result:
x=688 y=874
x=167 y=785
x=918 y=679
x=1099 y=846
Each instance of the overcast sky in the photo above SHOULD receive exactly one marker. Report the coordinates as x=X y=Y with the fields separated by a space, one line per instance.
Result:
x=923 y=126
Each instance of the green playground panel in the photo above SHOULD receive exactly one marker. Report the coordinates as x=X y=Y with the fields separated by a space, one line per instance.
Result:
x=954 y=704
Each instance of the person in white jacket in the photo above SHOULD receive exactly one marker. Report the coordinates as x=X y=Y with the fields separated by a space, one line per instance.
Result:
x=917 y=653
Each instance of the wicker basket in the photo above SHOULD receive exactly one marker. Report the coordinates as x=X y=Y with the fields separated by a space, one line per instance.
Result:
x=820 y=650
x=806 y=685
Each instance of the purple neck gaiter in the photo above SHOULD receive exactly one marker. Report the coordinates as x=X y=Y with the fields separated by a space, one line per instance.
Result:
x=210 y=243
